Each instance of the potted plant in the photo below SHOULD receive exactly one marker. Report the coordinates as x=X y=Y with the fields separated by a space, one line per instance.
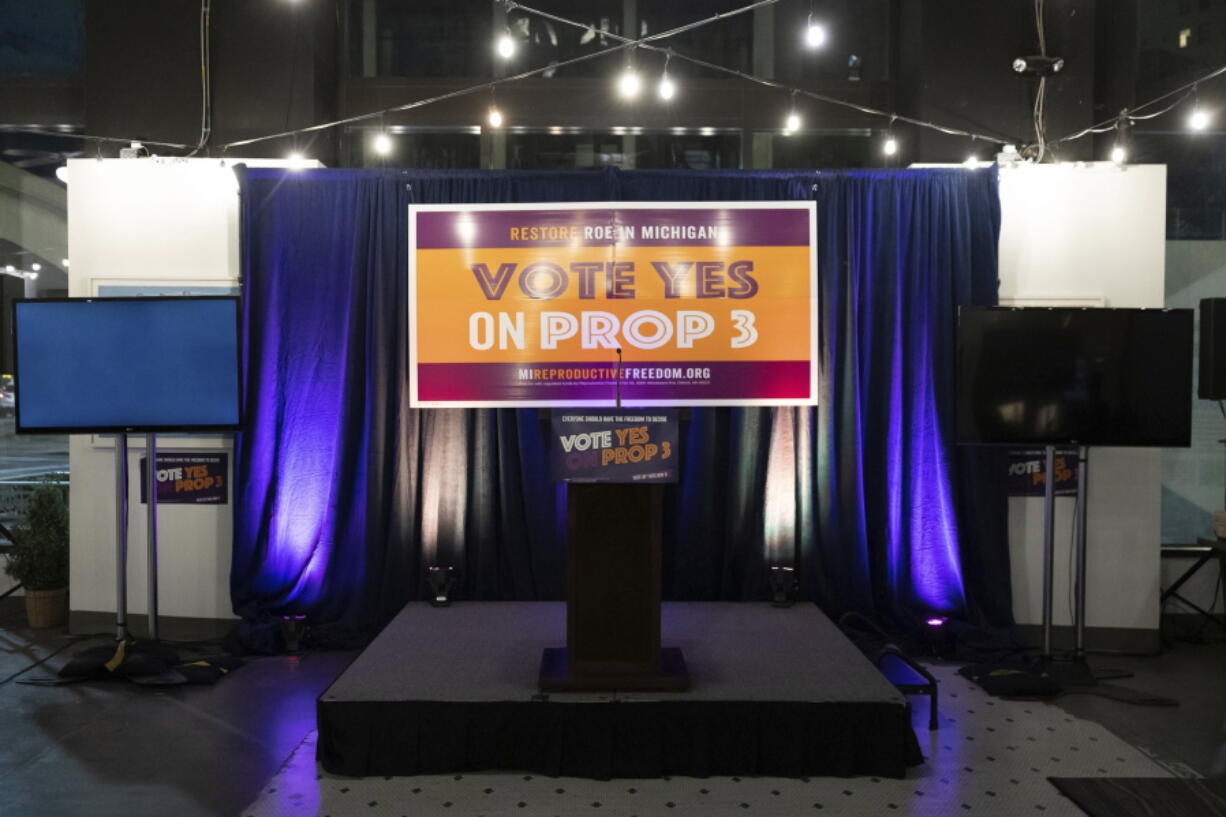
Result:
x=38 y=558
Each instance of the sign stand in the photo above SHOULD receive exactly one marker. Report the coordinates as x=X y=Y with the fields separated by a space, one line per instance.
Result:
x=121 y=537
x=151 y=511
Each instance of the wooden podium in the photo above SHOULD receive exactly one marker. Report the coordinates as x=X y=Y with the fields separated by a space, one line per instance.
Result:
x=613 y=595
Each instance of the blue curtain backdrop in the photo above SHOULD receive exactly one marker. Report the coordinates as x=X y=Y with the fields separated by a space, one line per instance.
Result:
x=343 y=494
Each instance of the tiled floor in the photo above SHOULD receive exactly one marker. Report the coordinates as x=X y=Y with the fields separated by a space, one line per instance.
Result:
x=244 y=747
x=989 y=757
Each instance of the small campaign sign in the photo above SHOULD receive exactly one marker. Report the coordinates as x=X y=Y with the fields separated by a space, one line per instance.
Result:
x=189 y=479
x=615 y=445
x=1027 y=472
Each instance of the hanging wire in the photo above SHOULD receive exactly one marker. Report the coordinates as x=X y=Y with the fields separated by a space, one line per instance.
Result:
x=646 y=42
x=206 y=81
x=1039 y=113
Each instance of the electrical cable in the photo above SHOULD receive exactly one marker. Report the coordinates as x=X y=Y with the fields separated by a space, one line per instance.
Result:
x=624 y=44
x=1109 y=124
x=1044 y=145
x=1039 y=113
x=206 y=82
x=769 y=83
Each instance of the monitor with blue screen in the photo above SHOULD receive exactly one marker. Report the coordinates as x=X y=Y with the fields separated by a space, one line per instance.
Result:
x=85 y=365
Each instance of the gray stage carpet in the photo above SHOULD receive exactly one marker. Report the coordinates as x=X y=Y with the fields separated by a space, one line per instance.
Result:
x=775 y=691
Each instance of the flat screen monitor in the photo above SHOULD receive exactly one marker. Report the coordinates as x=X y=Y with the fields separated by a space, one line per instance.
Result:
x=126 y=364
x=1055 y=376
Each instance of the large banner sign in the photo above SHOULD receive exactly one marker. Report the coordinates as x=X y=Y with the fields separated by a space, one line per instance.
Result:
x=593 y=445
x=711 y=303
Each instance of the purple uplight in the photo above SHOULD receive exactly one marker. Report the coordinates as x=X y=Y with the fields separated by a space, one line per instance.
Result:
x=936 y=621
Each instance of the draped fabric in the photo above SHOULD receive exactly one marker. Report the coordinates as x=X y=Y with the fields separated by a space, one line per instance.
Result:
x=344 y=494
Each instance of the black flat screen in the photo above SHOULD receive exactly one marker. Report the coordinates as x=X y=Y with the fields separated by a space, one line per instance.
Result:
x=1080 y=376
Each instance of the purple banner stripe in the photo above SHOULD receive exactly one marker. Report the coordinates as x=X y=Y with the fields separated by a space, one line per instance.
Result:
x=562 y=382
x=769 y=227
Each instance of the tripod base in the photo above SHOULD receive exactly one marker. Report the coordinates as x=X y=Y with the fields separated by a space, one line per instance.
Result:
x=1076 y=672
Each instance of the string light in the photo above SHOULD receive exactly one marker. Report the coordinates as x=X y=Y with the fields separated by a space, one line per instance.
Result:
x=667 y=89
x=505 y=46
x=646 y=42
x=1198 y=120
x=629 y=84
x=495 y=117
x=815 y=33
x=890 y=146
x=382 y=143
x=792 y=122
x=1123 y=135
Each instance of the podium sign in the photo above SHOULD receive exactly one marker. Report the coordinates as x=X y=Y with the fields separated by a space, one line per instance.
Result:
x=614 y=445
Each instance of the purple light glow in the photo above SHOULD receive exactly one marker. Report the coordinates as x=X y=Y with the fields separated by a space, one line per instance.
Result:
x=938 y=621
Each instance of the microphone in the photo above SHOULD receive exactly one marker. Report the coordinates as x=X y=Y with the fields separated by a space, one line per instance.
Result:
x=618 y=377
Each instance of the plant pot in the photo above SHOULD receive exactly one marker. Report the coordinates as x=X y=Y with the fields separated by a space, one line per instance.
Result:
x=47 y=608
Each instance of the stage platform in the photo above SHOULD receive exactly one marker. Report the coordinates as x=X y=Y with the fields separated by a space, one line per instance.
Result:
x=454 y=689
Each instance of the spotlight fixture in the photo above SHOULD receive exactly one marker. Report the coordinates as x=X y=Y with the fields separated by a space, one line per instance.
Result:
x=36 y=266
x=815 y=33
x=1198 y=120
x=1038 y=65
x=1119 y=154
x=792 y=123
x=382 y=143
x=783 y=586
x=972 y=162
x=297 y=161
x=940 y=639
x=293 y=631
x=61 y=173
x=440 y=580
x=629 y=83
x=64 y=263
x=9 y=268
x=505 y=46
x=890 y=146
x=495 y=117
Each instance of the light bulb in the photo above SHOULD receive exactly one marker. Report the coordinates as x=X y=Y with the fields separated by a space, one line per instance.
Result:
x=382 y=144
x=815 y=34
x=1198 y=120
x=495 y=118
x=64 y=263
x=61 y=173
x=36 y=266
x=792 y=124
x=506 y=45
x=971 y=162
x=296 y=160
x=667 y=89
x=890 y=146
x=628 y=84
x=9 y=268
x=1119 y=155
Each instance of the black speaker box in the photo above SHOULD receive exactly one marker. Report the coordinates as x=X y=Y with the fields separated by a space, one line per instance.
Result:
x=1212 y=349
